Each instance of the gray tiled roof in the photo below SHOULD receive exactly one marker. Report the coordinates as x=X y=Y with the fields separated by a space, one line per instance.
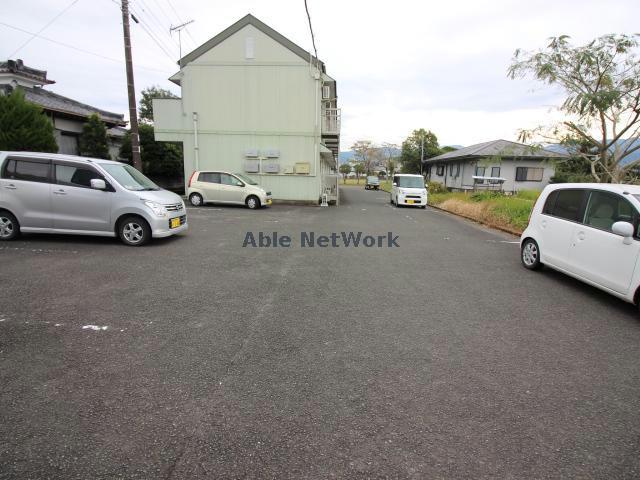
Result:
x=57 y=103
x=497 y=148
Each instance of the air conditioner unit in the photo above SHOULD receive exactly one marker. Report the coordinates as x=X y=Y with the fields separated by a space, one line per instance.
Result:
x=273 y=153
x=251 y=153
x=252 y=166
x=270 y=168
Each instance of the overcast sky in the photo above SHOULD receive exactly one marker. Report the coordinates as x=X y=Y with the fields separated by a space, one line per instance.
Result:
x=399 y=65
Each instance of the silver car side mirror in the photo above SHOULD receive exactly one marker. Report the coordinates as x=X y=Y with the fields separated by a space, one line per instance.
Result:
x=625 y=230
x=98 y=184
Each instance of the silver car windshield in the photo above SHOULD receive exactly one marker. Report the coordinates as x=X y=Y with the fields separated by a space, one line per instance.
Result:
x=129 y=178
x=411 y=182
x=245 y=179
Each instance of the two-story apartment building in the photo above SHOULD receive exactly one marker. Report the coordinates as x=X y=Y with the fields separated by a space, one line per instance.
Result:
x=253 y=102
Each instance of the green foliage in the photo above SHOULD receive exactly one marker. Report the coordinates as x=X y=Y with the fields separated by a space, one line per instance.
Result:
x=93 y=139
x=24 y=126
x=159 y=159
x=512 y=210
x=528 y=194
x=345 y=169
x=601 y=83
x=412 y=150
x=436 y=187
x=145 y=112
x=485 y=195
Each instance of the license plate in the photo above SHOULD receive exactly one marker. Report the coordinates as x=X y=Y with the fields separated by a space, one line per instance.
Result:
x=410 y=201
x=175 y=222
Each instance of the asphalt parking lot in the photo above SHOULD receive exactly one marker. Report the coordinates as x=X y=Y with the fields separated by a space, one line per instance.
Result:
x=198 y=358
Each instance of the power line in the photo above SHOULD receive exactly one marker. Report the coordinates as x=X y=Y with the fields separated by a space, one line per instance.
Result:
x=72 y=47
x=148 y=30
x=44 y=28
x=163 y=28
x=313 y=40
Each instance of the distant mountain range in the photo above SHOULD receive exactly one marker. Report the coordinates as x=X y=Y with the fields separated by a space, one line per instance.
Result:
x=347 y=156
x=554 y=147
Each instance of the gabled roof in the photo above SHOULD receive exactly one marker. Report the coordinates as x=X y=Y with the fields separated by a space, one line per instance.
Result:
x=497 y=148
x=57 y=103
x=239 y=25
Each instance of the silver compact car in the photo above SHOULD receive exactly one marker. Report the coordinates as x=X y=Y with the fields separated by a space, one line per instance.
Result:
x=49 y=193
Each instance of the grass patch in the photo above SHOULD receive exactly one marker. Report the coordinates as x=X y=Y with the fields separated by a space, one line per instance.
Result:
x=492 y=208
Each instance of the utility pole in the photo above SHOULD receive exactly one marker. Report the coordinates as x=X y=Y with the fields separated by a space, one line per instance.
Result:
x=179 y=28
x=421 y=154
x=133 y=113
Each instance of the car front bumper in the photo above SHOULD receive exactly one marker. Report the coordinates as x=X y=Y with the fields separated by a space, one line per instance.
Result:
x=408 y=200
x=160 y=227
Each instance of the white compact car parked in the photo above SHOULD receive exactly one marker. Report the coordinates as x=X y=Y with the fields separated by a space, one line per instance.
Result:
x=588 y=231
x=408 y=189
x=49 y=193
x=224 y=187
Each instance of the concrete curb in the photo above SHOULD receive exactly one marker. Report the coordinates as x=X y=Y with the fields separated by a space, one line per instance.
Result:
x=511 y=231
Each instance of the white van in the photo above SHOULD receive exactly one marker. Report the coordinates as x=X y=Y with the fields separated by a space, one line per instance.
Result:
x=588 y=231
x=408 y=189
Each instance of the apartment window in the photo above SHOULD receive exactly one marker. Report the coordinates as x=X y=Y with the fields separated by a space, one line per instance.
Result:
x=326 y=92
x=529 y=174
x=480 y=173
x=440 y=170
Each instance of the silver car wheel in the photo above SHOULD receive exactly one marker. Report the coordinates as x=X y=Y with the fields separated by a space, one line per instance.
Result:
x=530 y=254
x=196 y=200
x=252 y=203
x=133 y=232
x=6 y=227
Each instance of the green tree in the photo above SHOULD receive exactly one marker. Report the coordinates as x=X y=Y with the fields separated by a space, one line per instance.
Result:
x=145 y=112
x=421 y=144
x=601 y=84
x=345 y=169
x=24 y=126
x=93 y=139
x=159 y=159
x=359 y=169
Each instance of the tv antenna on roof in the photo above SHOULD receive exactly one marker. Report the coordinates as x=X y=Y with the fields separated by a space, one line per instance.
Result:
x=179 y=28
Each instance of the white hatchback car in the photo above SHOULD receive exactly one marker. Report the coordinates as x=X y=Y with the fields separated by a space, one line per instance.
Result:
x=224 y=187
x=408 y=189
x=588 y=231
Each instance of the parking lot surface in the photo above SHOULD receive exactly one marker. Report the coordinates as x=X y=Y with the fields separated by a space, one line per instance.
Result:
x=197 y=357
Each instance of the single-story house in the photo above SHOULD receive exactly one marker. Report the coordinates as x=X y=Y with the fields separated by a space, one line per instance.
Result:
x=499 y=165
x=68 y=115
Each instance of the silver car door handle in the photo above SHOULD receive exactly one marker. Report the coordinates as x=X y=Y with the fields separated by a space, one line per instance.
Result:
x=60 y=192
x=11 y=186
x=581 y=236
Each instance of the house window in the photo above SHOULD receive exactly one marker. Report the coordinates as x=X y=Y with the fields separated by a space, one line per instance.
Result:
x=480 y=173
x=326 y=92
x=440 y=170
x=529 y=174
x=495 y=172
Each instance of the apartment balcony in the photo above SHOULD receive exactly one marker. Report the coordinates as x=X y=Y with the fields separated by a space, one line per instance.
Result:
x=330 y=121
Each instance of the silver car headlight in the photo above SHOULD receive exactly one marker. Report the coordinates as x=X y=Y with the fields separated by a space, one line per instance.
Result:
x=156 y=208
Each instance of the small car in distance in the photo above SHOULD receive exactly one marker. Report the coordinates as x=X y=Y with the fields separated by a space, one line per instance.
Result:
x=226 y=188
x=373 y=183
x=52 y=193
x=408 y=189
x=590 y=232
